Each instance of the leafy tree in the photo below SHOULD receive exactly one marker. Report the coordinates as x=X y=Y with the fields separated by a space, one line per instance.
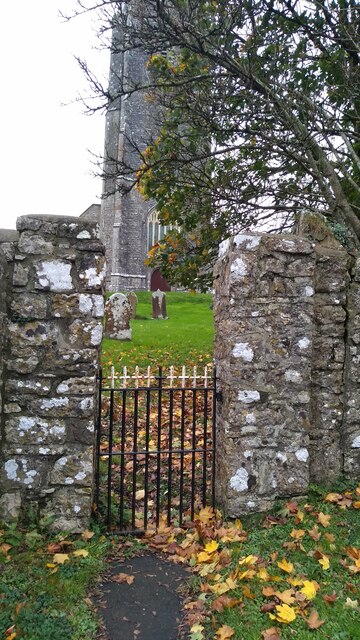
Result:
x=260 y=118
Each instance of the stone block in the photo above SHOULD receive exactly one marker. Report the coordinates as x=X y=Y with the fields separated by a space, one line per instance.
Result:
x=74 y=469
x=28 y=306
x=30 y=243
x=92 y=272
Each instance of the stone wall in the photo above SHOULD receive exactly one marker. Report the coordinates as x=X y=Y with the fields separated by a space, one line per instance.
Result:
x=287 y=330
x=52 y=344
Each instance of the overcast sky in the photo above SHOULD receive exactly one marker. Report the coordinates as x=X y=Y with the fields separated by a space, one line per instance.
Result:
x=45 y=164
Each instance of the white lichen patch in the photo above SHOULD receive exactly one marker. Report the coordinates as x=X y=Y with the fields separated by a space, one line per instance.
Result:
x=44 y=451
x=98 y=306
x=239 y=268
x=81 y=475
x=291 y=480
x=244 y=351
x=96 y=335
x=29 y=476
x=302 y=454
x=281 y=456
x=248 y=454
x=52 y=403
x=356 y=443
x=247 y=396
x=250 y=418
x=69 y=480
x=62 y=462
x=86 y=404
x=11 y=467
x=55 y=275
x=25 y=424
x=77 y=508
x=85 y=303
x=62 y=388
x=239 y=481
x=246 y=241
x=83 y=235
x=293 y=376
x=223 y=247
x=304 y=343
x=308 y=291
x=250 y=504
x=93 y=276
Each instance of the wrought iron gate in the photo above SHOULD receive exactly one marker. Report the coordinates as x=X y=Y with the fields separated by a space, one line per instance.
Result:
x=155 y=459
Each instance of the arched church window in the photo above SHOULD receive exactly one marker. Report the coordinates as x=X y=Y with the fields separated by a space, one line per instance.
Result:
x=155 y=230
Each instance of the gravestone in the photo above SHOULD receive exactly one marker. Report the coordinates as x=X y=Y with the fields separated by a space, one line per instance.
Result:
x=117 y=317
x=132 y=298
x=159 y=305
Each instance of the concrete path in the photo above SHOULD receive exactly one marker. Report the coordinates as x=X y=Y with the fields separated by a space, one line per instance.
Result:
x=147 y=609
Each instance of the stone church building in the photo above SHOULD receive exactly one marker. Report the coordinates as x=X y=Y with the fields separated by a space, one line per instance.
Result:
x=129 y=225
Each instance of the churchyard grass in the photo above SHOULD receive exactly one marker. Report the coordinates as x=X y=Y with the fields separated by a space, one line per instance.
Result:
x=45 y=581
x=185 y=337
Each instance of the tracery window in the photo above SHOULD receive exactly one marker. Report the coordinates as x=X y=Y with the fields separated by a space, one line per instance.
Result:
x=155 y=230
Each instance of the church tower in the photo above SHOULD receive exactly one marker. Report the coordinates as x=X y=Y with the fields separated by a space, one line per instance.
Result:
x=124 y=219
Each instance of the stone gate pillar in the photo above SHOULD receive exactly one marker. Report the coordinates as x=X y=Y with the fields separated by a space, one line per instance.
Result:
x=53 y=343
x=263 y=346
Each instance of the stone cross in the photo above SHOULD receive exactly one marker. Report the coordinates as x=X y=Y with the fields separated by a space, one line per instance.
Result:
x=132 y=298
x=159 y=305
x=117 y=317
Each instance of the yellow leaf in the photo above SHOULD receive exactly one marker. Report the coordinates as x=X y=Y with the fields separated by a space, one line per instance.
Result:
x=309 y=589
x=284 y=614
x=81 y=553
x=139 y=495
x=205 y=515
x=203 y=556
x=325 y=562
x=50 y=565
x=248 y=574
x=60 y=558
x=295 y=582
x=263 y=574
x=297 y=534
x=12 y=636
x=225 y=632
x=211 y=546
x=333 y=497
x=238 y=524
x=248 y=560
x=356 y=504
x=4 y=548
x=324 y=519
x=286 y=566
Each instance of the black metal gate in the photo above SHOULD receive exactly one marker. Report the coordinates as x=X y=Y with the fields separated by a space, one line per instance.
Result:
x=155 y=461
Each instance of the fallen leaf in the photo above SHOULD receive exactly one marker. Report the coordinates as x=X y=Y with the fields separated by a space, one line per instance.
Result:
x=87 y=535
x=333 y=497
x=285 y=565
x=353 y=604
x=356 y=504
x=5 y=548
x=140 y=495
x=123 y=577
x=325 y=562
x=271 y=634
x=309 y=589
x=330 y=537
x=211 y=546
x=60 y=558
x=225 y=632
x=313 y=621
x=287 y=596
x=314 y=533
x=328 y=598
x=81 y=553
x=248 y=560
x=248 y=593
x=297 y=534
x=284 y=614
x=268 y=591
x=268 y=606
x=324 y=519
x=224 y=602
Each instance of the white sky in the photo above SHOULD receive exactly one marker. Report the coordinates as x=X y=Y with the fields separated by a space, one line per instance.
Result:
x=45 y=160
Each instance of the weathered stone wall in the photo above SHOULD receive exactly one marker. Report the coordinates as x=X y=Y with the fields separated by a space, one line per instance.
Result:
x=286 y=315
x=54 y=329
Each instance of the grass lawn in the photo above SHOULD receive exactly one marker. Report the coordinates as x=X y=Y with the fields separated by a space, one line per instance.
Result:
x=186 y=337
x=44 y=582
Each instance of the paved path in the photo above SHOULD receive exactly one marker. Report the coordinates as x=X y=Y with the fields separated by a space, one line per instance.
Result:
x=149 y=608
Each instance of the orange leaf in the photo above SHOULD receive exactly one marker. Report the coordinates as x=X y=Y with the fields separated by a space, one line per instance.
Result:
x=123 y=577
x=225 y=632
x=328 y=598
x=247 y=593
x=313 y=621
x=314 y=533
x=268 y=591
x=271 y=634
x=324 y=519
x=287 y=596
x=286 y=566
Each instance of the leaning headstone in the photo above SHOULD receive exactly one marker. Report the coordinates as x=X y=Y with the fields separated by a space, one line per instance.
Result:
x=132 y=297
x=159 y=305
x=117 y=317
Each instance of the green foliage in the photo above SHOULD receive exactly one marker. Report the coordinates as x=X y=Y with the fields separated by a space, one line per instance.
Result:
x=260 y=120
